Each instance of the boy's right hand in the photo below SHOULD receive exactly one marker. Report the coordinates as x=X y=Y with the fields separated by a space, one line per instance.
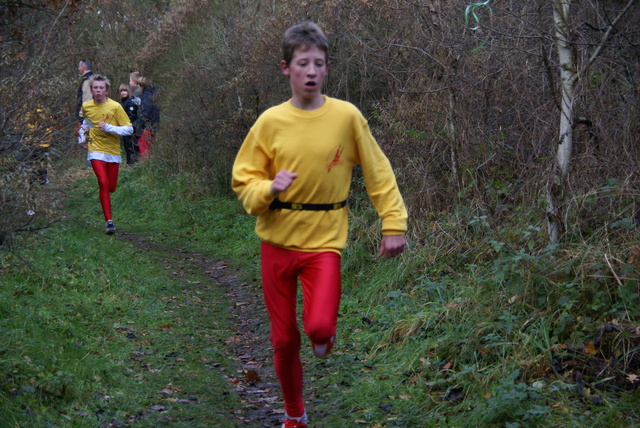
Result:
x=282 y=181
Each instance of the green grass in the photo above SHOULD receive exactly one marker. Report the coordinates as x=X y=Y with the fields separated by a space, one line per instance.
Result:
x=473 y=326
x=97 y=329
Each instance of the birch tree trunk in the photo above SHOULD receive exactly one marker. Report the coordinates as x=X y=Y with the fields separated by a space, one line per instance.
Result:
x=569 y=74
x=556 y=187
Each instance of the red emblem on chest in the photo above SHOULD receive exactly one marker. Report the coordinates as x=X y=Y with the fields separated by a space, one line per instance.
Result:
x=336 y=159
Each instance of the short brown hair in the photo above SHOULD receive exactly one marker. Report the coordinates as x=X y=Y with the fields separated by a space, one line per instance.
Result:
x=100 y=78
x=306 y=35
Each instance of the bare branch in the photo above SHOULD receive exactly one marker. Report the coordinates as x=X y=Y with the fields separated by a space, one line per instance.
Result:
x=607 y=34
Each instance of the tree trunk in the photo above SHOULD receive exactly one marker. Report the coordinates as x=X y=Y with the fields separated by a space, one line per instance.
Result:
x=556 y=188
x=569 y=73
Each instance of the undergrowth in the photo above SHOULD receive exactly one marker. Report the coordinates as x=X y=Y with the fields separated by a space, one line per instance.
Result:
x=479 y=323
x=483 y=324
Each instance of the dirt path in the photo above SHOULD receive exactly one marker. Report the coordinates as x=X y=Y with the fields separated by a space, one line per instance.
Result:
x=254 y=381
x=248 y=344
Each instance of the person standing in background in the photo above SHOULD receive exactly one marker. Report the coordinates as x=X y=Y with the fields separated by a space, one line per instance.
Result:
x=136 y=91
x=84 y=90
x=130 y=105
x=148 y=117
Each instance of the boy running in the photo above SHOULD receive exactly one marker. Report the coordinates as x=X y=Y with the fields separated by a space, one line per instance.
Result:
x=104 y=120
x=293 y=172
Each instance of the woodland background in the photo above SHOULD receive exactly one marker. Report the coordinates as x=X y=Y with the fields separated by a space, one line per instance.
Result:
x=465 y=98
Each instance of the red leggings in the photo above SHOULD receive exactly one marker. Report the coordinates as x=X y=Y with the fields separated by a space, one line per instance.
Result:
x=107 y=173
x=319 y=275
x=145 y=142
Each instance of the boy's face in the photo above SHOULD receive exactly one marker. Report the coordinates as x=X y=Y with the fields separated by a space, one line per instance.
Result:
x=99 y=91
x=306 y=71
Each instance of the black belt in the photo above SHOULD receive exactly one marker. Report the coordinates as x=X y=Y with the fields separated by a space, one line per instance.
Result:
x=277 y=204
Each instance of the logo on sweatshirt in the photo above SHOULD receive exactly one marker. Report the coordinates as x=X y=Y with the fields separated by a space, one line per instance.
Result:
x=336 y=159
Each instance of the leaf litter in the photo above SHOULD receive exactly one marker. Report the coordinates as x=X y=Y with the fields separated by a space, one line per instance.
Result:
x=254 y=382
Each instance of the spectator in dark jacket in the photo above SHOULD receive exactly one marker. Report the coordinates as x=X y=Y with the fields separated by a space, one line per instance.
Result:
x=130 y=104
x=148 y=117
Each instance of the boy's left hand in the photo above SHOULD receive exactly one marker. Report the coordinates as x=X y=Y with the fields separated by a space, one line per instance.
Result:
x=391 y=246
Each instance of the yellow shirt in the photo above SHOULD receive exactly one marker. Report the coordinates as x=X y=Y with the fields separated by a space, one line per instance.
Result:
x=322 y=146
x=110 y=112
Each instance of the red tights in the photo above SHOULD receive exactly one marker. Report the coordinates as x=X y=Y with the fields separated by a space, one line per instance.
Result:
x=319 y=275
x=107 y=173
x=145 y=142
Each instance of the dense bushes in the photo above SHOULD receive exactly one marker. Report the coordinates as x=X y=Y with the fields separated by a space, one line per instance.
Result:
x=465 y=116
x=459 y=105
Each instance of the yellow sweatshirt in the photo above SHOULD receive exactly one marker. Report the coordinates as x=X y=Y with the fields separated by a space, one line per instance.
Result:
x=321 y=146
x=110 y=112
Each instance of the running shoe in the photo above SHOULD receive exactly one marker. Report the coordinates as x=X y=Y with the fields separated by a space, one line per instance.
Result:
x=290 y=422
x=324 y=349
x=111 y=228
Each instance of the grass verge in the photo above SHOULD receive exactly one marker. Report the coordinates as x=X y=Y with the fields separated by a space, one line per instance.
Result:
x=98 y=331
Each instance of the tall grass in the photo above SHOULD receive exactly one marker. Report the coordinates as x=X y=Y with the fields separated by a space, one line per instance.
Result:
x=482 y=324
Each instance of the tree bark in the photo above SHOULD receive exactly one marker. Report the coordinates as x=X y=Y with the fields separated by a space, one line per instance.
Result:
x=556 y=194
x=569 y=74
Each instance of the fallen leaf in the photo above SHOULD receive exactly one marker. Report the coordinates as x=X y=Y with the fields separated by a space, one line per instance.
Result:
x=590 y=349
x=386 y=407
x=252 y=376
x=635 y=255
x=189 y=401
x=232 y=340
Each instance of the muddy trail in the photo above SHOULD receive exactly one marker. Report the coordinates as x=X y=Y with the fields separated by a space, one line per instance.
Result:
x=254 y=380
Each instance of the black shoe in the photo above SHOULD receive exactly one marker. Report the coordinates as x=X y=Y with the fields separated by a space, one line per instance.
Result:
x=111 y=228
